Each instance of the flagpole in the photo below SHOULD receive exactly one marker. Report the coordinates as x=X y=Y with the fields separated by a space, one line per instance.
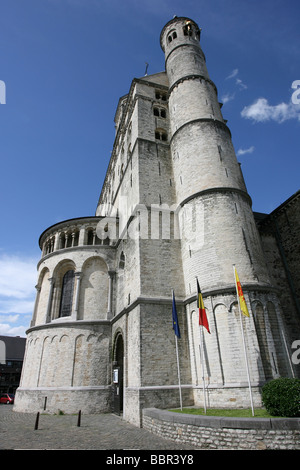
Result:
x=244 y=345
x=202 y=360
x=178 y=368
x=177 y=356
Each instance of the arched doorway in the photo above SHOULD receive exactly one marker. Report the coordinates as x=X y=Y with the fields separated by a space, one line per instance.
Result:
x=118 y=363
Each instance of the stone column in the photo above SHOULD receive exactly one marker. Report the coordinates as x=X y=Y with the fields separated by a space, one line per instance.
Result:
x=48 y=312
x=57 y=241
x=78 y=277
x=36 y=303
x=82 y=236
x=111 y=275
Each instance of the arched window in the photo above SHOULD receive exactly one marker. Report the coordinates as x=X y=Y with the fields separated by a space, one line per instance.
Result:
x=187 y=29
x=172 y=35
x=67 y=289
x=90 y=237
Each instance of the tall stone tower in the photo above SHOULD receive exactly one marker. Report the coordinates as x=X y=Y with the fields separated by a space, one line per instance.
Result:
x=207 y=175
x=216 y=223
x=173 y=208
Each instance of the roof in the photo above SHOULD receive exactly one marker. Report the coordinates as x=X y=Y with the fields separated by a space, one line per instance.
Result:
x=14 y=347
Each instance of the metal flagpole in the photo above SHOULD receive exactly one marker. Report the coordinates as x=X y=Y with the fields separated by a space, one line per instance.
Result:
x=178 y=373
x=177 y=356
x=244 y=345
x=201 y=345
x=202 y=360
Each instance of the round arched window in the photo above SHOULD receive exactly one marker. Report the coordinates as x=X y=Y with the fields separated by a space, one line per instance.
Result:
x=67 y=289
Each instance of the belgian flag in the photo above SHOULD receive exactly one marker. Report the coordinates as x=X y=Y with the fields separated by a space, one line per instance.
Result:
x=202 y=313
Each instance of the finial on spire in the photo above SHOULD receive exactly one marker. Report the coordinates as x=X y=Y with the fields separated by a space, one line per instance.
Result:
x=146 y=71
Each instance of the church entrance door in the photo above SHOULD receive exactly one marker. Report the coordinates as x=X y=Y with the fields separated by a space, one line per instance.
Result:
x=117 y=401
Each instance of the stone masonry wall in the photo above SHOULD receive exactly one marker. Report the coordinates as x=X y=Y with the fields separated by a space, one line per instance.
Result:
x=217 y=433
x=279 y=233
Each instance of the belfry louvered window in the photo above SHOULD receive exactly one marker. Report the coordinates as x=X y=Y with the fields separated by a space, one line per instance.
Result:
x=67 y=294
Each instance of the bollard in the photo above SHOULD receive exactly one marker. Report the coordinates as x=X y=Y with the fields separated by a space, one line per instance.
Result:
x=37 y=421
x=79 y=418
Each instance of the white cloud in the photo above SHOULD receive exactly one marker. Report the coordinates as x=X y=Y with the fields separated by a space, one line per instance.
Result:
x=233 y=74
x=7 y=330
x=16 y=306
x=244 y=151
x=227 y=97
x=262 y=111
x=17 y=276
x=238 y=82
x=9 y=318
x=241 y=84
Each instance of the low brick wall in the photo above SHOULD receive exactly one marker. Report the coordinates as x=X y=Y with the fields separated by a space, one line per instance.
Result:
x=209 y=432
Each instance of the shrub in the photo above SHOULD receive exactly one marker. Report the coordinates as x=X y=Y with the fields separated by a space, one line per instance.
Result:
x=281 y=397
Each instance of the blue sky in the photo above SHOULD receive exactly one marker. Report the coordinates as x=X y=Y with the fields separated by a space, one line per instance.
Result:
x=65 y=63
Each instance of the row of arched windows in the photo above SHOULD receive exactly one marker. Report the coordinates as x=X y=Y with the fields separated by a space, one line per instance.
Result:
x=71 y=239
x=188 y=30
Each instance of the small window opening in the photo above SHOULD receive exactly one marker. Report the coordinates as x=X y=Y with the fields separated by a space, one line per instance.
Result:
x=187 y=30
x=161 y=135
x=172 y=36
x=122 y=261
x=160 y=95
x=159 y=112
x=90 y=237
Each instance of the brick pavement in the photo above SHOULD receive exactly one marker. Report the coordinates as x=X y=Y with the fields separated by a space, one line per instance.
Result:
x=60 y=432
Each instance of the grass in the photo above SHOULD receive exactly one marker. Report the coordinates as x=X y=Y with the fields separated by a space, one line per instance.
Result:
x=231 y=413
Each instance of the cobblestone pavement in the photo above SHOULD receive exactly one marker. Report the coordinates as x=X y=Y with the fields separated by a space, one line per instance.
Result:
x=60 y=432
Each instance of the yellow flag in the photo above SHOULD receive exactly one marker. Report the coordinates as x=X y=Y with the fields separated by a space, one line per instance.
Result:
x=242 y=300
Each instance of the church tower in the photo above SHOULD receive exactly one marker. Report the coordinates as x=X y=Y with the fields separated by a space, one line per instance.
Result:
x=217 y=226
x=207 y=175
x=173 y=208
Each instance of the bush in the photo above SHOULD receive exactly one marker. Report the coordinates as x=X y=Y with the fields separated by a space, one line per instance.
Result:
x=281 y=397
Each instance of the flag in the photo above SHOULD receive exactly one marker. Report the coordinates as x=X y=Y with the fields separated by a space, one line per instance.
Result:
x=202 y=313
x=242 y=300
x=175 y=319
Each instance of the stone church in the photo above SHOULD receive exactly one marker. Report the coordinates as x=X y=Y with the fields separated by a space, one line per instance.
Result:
x=173 y=208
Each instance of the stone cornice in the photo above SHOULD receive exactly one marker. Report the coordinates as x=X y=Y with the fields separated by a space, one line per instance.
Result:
x=193 y=77
x=223 y=189
x=213 y=121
